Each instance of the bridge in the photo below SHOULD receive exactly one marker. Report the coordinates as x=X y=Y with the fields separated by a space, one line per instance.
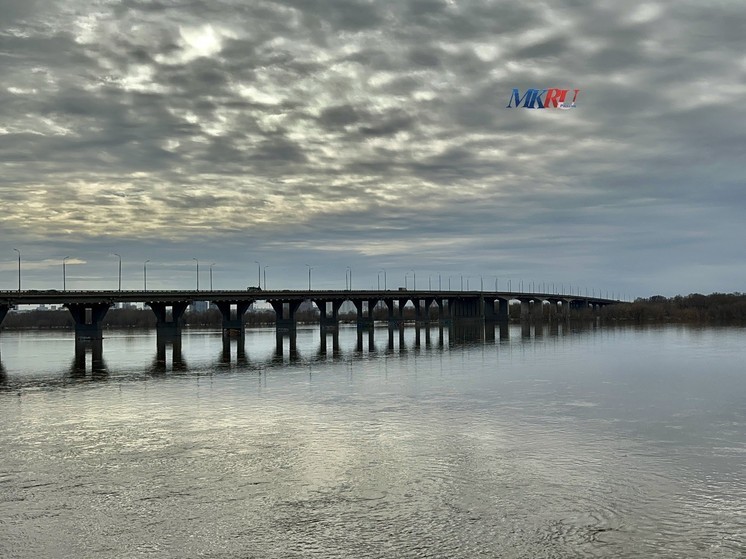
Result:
x=471 y=309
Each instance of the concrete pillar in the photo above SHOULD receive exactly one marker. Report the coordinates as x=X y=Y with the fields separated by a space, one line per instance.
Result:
x=395 y=317
x=227 y=354
x=95 y=347
x=444 y=316
x=88 y=319
x=285 y=315
x=168 y=326
x=490 y=315
x=233 y=313
x=537 y=311
x=329 y=317
x=364 y=321
x=422 y=308
x=503 y=310
x=164 y=342
x=525 y=310
x=3 y=312
x=467 y=319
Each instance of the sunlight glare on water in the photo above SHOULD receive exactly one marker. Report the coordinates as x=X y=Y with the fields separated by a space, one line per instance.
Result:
x=574 y=442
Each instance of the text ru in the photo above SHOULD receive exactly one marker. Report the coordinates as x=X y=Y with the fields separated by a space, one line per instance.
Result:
x=532 y=99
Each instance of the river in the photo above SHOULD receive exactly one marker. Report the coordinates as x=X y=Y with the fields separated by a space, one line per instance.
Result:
x=570 y=442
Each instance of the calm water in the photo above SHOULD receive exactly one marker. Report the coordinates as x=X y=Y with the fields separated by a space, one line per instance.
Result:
x=585 y=443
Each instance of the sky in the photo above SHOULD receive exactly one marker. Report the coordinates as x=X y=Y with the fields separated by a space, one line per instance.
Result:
x=353 y=137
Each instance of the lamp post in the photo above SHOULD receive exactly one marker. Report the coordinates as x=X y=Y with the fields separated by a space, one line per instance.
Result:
x=259 y=274
x=384 y=277
x=64 y=273
x=309 y=276
x=265 y=275
x=439 y=283
x=348 y=271
x=145 y=275
x=19 y=268
x=120 y=269
x=197 y=261
x=414 y=280
x=211 y=265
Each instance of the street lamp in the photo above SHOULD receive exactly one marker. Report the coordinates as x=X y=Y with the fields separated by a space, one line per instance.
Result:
x=414 y=280
x=145 y=275
x=211 y=265
x=384 y=278
x=309 y=276
x=265 y=275
x=19 y=268
x=349 y=270
x=120 y=269
x=259 y=274
x=64 y=274
x=197 y=261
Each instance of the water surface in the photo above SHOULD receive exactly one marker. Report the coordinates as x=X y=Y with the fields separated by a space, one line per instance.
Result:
x=569 y=442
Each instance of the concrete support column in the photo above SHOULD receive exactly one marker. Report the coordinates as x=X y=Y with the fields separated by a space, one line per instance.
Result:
x=503 y=310
x=94 y=346
x=329 y=317
x=168 y=325
x=422 y=308
x=364 y=321
x=444 y=316
x=490 y=315
x=285 y=321
x=233 y=316
x=163 y=342
x=467 y=319
x=395 y=317
x=88 y=319
x=3 y=311
x=537 y=310
x=525 y=310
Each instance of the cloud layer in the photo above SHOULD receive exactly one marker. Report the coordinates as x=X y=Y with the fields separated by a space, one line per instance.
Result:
x=375 y=135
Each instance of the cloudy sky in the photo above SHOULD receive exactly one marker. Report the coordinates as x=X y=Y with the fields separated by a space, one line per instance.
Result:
x=373 y=135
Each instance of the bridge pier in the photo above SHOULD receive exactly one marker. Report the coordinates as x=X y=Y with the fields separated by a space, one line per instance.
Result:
x=83 y=347
x=395 y=314
x=233 y=312
x=3 y=312
x=329 y=317
x=285 y=315
x=467 y=316
x=226 y=354
x=444 y=309
x=168 y=318
x=364 y=321
x=422 y=312
x=335 y=342
x=371 y=340
x=89 y=318
x=164 y=342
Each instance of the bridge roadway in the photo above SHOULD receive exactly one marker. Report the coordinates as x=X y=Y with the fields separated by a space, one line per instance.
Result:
x=460 y=308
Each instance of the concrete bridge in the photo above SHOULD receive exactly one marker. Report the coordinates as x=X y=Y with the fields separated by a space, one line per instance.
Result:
x=460 y=309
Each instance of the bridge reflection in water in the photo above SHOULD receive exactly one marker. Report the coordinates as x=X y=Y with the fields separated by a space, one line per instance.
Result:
x=88 y=361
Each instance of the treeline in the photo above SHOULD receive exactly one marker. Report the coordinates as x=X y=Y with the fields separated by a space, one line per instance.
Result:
x=715 y=308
